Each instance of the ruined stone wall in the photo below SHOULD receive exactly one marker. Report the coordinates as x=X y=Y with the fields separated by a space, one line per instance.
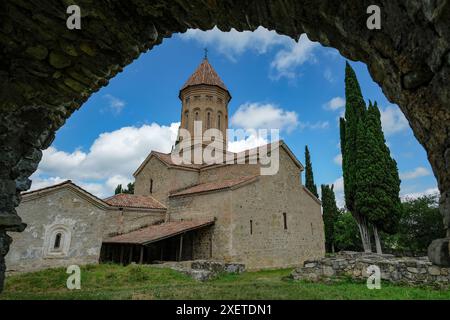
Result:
x=209 y=205
x=126 y=220
x=263 y=202
x=413 y=271
x=164 y=180
x=45 y=214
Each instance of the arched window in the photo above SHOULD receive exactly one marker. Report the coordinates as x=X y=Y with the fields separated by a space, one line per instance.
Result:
x=186 y=119
x=218 y=121
x=208 y=120
x=57 y=240
x=151 y=185
x=196 y=116
x=285 y=220
x=57 y=243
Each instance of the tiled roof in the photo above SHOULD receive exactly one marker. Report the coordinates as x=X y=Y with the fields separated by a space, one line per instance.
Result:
x=212 y=186
x=159 y=232
x=134 y=201
x=205 y=74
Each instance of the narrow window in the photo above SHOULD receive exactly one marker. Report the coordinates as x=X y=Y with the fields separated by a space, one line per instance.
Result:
x=208 y=121
x=251 y=226
x=186 y=119
x=151 y=185
x=196 y=116
x=57 y=244
x=218 y=121
x=312 y=229
x=285 y=220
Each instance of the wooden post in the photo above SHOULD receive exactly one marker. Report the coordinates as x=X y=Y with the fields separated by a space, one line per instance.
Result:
x=121 y=254
x=181 y=248
x=131 y=255
x=141 y=258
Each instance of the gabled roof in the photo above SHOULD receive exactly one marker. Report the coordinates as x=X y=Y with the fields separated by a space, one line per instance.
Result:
x=123 y=200
x=68 y=184
x=205 y=74
x=159 y=232
x=167 y=159
x=214 y=186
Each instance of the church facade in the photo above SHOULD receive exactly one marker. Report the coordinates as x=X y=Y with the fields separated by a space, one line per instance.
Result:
x=182 y=211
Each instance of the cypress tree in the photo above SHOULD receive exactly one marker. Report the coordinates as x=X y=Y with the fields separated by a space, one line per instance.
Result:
x=118 y=189
x=330 y=215
x=309 y=176
x=352 y=129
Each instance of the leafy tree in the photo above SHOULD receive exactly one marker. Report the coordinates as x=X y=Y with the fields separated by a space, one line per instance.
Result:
x=309 y=176
x=351 y=127
x=420 y=224
x=346 y=234
x=128 y=190
x=118 y=189
x=330 y=215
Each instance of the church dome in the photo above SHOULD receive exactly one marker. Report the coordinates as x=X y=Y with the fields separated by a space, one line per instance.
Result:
x=204 y=75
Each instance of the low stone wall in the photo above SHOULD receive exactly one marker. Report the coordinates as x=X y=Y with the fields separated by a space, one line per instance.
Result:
x=413 y=271
x=203 y=270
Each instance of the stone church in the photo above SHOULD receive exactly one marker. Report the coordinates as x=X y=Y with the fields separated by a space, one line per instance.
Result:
x=180 y=211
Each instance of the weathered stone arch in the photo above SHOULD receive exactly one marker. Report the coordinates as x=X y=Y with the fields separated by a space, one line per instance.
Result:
x=48 y=71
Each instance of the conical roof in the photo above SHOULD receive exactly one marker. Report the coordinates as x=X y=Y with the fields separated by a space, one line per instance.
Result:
x=205 y=74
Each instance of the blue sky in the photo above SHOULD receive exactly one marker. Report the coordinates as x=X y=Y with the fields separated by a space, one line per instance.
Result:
x=300 y=83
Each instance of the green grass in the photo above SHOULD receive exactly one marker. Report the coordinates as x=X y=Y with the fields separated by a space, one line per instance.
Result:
x=145 y=282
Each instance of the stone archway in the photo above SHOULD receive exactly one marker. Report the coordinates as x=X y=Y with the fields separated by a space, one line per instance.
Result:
x=47 y=71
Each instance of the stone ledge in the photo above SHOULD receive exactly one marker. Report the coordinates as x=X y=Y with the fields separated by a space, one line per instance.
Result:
x=412 y=271
x=202 y=270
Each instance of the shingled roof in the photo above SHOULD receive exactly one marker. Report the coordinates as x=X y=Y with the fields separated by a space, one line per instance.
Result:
x=214 y=186
x=159 y=232
x=124 y=200
x=205 y=74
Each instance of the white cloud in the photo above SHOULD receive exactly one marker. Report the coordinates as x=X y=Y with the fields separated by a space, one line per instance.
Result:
x=287 y=60
x=338 y=159
x=249 y=142
x=264 y=116
x=234 y=43
x=416 y=173
x=39 y=182
x=393 y=120
x=339 y=192
x=328 y=75
x=335 y=104
x=111 y=159
x=115 y=105
x=415 y=195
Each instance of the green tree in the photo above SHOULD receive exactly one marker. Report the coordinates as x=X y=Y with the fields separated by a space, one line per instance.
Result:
x=346 y=232
x=330 y=215
x=419 y=225
x=377 y=183
x=351 y=128
x=309 y=176
x=128 y=190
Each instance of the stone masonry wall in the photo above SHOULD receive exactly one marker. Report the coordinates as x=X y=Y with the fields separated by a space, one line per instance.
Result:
x=164 y=179
x=413 y=271
x=264 y=202
x=63 y=207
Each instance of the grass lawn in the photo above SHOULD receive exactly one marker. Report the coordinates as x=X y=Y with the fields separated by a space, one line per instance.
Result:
x=145 y=282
